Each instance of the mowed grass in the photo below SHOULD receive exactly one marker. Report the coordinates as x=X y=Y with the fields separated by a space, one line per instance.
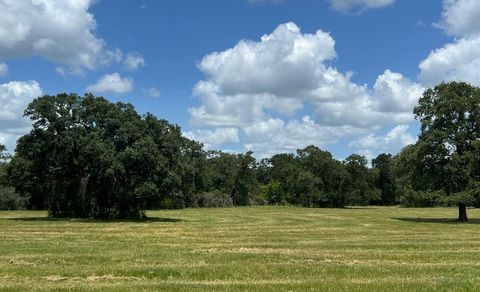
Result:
x=250 y=249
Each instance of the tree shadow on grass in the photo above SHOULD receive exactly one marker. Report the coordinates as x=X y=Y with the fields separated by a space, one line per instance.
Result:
x=437 y=220
x=80 y=220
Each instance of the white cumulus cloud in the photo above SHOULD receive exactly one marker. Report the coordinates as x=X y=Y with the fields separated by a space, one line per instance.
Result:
x=133 y=61
x=274 y=135
x=371 y=145
x=112 y=83
x=281 y=63
x=459 y=60
x=460 y=17
x=61 y=31
x=395 y=93
x=215 y=138
x=263 y=85
x=14 y=98
x=58 y=30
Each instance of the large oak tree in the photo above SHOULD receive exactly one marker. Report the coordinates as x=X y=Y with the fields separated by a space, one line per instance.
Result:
x=88 y=157
x=448 y=149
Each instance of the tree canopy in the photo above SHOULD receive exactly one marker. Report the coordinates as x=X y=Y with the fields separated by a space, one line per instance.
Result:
x=448 y=149
x=88 y=157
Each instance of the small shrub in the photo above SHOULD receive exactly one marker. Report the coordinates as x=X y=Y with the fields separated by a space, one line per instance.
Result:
x=9 y=200
x=273 y=193
x=173 y=201
x=214 y=199
x=422 y=199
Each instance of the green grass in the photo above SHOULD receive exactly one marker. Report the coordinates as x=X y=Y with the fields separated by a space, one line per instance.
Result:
x=251 y=249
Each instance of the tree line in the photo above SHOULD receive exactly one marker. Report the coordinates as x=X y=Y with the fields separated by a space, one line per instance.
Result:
x=88 y=157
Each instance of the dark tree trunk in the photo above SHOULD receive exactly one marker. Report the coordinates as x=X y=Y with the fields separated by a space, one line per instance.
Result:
x=82 y=192
x=462 y=213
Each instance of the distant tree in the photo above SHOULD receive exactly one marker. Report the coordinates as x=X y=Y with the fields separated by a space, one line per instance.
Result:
x=276 y=174
x=245 y=181
x=264 y=171
x=307 y=189
x=220 y=171
x=385 y=180
x=4 y=159
x=282 y=167
x=3 y=155
x=233 y=174
x=9 y=199
x=191 y=166
x=406 y=172
x=273 y=193
x=214 y=199
x=328 y=175
x=361 y=189
x=448 y=149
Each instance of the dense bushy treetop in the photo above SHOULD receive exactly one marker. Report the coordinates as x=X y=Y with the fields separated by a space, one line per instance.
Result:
x=88 y=157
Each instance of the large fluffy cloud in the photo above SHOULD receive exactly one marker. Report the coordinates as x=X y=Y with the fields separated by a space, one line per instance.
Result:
x=61 y=31
x=281 y=63
x=58 y=30
x=261 y=88
x=459 y=60
x=390 y=101
x=460 y=17
x=14 y=97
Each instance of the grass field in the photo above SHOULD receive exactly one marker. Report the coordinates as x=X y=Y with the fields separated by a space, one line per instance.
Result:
x=252 y=249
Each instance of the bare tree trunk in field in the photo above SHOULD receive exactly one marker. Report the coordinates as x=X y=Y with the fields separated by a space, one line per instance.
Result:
x=82 y=191
x=462 y=213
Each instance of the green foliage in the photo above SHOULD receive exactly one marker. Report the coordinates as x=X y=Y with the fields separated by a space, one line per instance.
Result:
x=360 y=183
x=214 y=199
x=4 y=157
x=9 y=200
x=312 y=178
x=449 y=139
x=244 y=182
x=88 y=157
x=232 y=174
x=3 y=163
x=220 y=171
x=273 y=193
x=385 y=179
x=422 y=199
x=446 y=156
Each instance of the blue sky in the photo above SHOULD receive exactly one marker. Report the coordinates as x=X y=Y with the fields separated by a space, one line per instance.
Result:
x=264 y=75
